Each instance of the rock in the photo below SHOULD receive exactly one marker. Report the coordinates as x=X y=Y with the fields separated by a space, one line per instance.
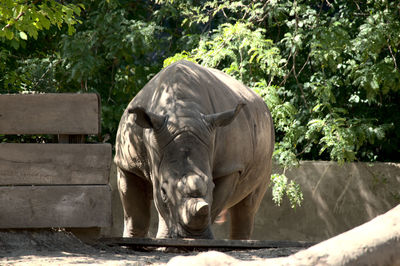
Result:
x=213 y=258
x=376 y=242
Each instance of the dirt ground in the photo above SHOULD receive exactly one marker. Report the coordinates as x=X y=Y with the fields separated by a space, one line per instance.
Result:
x=57 y=247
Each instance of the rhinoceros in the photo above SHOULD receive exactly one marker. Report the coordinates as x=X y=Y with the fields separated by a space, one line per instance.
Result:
x=197 y=142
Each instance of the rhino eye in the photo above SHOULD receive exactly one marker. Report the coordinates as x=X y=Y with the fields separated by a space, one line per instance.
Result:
x=164 y=195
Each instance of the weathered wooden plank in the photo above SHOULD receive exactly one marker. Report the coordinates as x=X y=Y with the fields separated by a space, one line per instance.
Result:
x=53 y=113
x=52 y=164
x=55 y=206
x=204 y=243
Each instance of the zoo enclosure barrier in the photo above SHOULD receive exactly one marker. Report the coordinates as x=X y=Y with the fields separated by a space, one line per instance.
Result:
x=47 y=185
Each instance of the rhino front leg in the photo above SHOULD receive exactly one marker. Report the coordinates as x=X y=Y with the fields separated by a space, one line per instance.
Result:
x=224 y=187
x=162 y=231
x=243 y=213
x=136 y=196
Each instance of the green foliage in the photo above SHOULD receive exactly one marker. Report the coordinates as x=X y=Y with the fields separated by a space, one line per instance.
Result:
x=239 y=51
x=281 y=188
x=328 y=70
x=179 y=56
x=114 y=53
x=23 y=65
x=20 y=19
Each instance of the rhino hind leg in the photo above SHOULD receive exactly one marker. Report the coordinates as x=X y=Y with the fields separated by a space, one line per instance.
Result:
x=242 y=214
x=135 y=194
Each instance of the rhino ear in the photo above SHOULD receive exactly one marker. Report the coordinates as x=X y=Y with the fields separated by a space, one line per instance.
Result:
x=224 y=118
x=147 y=119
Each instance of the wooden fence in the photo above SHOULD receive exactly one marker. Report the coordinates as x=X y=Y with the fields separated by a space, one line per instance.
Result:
x=60 y=184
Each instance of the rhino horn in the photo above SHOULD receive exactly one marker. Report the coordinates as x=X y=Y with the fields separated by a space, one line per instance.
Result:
x=224 y=118
x=196 y=214
x=201 y=208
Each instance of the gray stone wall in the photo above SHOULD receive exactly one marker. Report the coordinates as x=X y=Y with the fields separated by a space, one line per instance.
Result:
x=336 y=199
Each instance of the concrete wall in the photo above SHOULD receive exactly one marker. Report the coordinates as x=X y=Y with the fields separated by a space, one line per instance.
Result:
x=336 y=199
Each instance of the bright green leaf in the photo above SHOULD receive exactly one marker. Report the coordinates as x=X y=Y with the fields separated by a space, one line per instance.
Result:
x=23 y=35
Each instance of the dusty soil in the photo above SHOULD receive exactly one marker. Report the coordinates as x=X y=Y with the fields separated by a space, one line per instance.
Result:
x=57 y=247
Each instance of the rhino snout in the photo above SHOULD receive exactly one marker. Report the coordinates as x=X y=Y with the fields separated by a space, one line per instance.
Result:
x=196 y=214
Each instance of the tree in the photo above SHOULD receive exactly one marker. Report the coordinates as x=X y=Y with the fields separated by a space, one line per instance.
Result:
x=20 y=19
x=24 y=20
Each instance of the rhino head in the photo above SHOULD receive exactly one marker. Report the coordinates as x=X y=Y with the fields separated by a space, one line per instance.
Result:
x=179 y=151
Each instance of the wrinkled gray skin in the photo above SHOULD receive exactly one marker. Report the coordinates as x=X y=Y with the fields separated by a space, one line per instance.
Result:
x=197 y=142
